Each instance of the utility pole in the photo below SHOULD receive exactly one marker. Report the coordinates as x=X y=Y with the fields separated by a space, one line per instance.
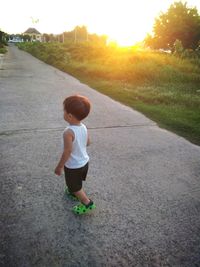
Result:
x=86 y=35
x=75 y=34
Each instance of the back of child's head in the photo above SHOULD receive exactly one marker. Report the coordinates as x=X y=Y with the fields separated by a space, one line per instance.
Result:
x=78 y=106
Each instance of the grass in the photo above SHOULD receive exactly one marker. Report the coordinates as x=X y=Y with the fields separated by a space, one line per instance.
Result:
x=161 y=86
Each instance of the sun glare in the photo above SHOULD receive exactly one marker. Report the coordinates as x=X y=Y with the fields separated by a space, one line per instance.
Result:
x=125 y=22
x=128 y=38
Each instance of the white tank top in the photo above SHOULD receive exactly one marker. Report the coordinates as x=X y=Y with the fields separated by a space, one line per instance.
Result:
x=79 y=156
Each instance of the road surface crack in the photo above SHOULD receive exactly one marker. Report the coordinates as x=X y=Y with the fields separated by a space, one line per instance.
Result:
x=35 y=130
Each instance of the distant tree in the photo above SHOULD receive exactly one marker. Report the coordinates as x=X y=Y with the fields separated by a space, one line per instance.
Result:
x=46 y=37
x=50 y=37
x=69 y=36
x=80 y=33
x=94 y=38
x=1 y=36
x=179 y=22
x=26 y=38
x=151 y=41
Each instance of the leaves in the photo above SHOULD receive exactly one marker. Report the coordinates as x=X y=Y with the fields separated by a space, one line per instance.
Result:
x=179 y=22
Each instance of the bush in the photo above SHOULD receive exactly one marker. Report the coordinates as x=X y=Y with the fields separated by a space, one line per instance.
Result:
x=3 y=49
x=178 y=48
x=118 y=64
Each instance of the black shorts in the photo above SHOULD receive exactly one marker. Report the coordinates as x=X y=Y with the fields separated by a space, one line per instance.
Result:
x=74 y=178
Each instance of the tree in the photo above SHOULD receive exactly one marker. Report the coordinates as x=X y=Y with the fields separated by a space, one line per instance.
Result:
x=1 y=36
x=80 y=33
x=26 y=38
x=151 y=41
x=98 y=39
x=179 y=22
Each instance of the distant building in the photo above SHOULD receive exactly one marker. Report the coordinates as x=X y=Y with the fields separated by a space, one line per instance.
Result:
x=34 y=34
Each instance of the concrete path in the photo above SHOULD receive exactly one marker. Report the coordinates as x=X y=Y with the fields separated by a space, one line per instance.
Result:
x=145 y=180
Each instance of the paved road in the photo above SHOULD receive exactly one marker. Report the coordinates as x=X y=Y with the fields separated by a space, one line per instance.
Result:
x=144 y=180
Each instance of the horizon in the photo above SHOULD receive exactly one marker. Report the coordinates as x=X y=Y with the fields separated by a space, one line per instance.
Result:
x=125 y=22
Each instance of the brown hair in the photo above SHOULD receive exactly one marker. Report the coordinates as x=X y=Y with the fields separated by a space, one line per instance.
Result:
x=78 y=106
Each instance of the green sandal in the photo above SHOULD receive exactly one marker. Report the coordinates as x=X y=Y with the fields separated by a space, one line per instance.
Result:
x=70 y=195
x=81 y=208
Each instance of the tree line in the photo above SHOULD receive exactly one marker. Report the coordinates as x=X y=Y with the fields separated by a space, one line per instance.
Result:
x=78 y=34
x=179 y=25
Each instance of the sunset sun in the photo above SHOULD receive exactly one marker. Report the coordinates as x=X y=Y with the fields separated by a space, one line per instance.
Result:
x=126 y=35
x=124 y=22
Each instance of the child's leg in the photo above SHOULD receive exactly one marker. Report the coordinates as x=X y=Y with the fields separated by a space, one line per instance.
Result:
x=81 y=195
x=70 y=195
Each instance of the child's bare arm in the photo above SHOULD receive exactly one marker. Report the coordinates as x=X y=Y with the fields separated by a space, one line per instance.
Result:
x=68 y=139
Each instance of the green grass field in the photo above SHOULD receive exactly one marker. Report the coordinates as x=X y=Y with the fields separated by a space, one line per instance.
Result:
x=163 y=87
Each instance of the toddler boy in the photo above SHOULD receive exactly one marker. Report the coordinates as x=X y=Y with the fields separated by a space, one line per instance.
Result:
x=74 y=159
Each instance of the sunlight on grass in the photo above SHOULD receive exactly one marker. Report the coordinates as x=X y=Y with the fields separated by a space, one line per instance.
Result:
x=163 y=87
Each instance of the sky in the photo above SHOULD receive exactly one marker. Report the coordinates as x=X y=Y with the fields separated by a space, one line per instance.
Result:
x=124 y=21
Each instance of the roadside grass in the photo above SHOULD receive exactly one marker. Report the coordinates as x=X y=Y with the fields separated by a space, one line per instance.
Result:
x=163 y=87
x=173 y=108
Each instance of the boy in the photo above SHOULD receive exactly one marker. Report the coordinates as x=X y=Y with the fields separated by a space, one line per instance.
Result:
x=74 y=158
